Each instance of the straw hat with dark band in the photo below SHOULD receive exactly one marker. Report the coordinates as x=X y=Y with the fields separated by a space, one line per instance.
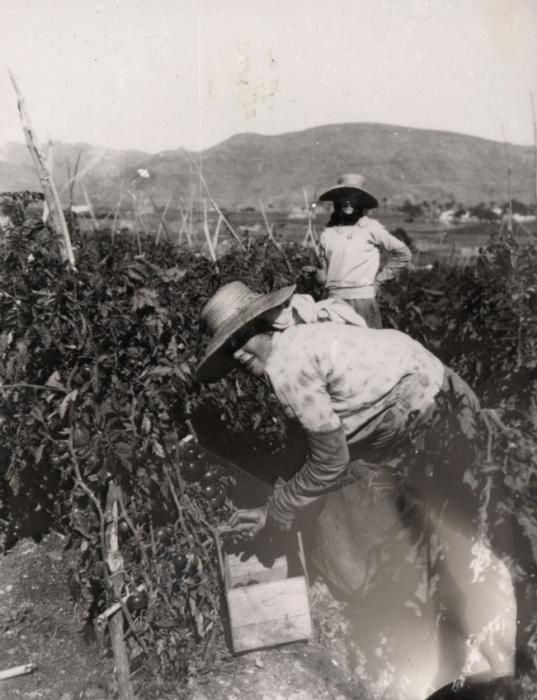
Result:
x=226 y=313
x=350 y=185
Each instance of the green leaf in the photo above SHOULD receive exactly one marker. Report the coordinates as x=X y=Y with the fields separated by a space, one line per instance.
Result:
x=55 y=380
x=70 y=398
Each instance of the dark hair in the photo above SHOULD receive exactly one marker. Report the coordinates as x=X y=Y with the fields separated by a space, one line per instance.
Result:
x=242 y=336
x=338 y=218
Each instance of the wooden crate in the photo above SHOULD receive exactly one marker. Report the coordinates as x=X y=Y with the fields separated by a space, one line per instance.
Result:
x=267 y=606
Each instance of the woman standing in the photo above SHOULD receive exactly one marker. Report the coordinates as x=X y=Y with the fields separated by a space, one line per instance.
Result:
x=351 y=247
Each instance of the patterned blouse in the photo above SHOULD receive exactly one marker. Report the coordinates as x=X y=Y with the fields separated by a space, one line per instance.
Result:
x=348 y=387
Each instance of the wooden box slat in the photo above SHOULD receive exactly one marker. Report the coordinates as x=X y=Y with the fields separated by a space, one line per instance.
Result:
x=273 y=610
x=268 y=614
x=238 y=571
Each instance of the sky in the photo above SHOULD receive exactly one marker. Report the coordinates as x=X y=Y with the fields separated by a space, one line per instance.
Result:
x=164 y=74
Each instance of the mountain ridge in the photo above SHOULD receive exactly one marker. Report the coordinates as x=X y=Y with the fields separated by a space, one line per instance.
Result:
x=248 y=168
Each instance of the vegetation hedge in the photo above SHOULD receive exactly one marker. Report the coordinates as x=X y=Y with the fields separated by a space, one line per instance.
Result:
x=99 y=386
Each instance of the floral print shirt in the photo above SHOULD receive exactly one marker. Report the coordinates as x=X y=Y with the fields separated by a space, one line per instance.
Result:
x=327 y=375
x=348 y=387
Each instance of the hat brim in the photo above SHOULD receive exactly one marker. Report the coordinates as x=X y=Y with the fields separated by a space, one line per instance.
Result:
x=367 y=201
x=218 y=361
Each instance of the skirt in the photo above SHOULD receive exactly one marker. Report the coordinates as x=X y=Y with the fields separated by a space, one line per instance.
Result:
x=368 y=309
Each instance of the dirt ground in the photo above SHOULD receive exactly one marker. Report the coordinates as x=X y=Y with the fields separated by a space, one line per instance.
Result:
x=39 y=625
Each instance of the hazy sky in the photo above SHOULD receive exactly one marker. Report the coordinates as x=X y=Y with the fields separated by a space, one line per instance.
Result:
x=162 y=74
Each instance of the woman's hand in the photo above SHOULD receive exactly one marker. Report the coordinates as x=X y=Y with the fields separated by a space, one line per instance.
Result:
x=249 y=520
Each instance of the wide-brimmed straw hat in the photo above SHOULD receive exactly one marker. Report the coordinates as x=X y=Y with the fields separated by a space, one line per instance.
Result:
x=350 y=184
x=226 y=313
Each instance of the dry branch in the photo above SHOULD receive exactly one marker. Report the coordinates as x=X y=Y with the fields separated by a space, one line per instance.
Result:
x=49 y=189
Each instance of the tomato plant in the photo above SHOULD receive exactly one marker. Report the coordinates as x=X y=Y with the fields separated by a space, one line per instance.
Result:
x=137 y=602
x=98 y=367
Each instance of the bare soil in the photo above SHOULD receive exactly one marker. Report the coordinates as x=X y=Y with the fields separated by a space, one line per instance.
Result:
x=40 y=625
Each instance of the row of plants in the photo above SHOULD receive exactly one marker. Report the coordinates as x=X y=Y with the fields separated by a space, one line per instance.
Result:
x=99 y=388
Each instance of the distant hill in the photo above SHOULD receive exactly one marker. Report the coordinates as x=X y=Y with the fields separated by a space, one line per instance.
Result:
x=398 y=163
x=104 y=168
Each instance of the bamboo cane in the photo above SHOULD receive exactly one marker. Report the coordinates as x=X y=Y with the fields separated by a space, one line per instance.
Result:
x=116 y=213
x=217 y=232
x=509 y=188
x=272 y=239
x=207 y=233
x=90 y=207
x=136 y=221
x=15 y=671
x=215 y=205
x=162 y=224
x=72 y=180
x=52 y=198
x=90 y=165
x=50 y=156
x=534 y=151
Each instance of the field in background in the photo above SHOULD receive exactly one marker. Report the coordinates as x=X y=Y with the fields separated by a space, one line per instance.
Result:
x=434 y=241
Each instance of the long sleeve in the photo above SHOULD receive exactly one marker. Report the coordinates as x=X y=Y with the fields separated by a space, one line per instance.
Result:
x=321 y=273
x=305 y=398
x=399 y=253
x=328 y=457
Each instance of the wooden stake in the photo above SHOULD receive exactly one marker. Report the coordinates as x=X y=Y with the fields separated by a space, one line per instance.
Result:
x=114 y=561
x=52 y=198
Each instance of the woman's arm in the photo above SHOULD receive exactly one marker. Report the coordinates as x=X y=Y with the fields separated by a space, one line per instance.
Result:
x=303 y=394
x=399 y=254
x=327 y=459
x=322 y=270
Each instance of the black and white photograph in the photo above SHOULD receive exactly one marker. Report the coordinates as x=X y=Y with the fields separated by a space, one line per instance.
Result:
x=268 y=350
